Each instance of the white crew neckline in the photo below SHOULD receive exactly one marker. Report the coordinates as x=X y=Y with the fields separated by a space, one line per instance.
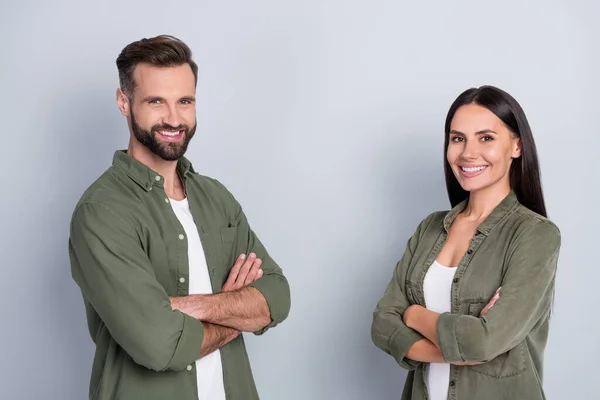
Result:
x=437 y=264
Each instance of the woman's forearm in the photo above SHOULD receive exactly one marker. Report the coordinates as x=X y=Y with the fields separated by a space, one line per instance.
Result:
x=425 y=351
x=423 y=321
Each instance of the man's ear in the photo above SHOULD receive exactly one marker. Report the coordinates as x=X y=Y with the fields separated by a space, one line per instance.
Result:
x=123 y=103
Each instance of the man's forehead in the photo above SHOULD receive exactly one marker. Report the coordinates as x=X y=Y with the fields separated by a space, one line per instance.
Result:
x=173 y=78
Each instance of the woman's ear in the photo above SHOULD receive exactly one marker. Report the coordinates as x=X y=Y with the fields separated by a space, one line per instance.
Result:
x=517 y=147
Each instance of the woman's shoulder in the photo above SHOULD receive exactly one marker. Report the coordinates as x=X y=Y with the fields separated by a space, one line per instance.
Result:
x=530 y=221
x=530 y=226
x=433 y=220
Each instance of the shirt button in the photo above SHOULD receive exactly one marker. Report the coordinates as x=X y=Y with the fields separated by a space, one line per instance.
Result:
x=189 y=367
x=157 y=178
x=469 y=251
x=455 y=280
x=166 y=200
x=452 y=383
x=182 y=279
x=181 y=237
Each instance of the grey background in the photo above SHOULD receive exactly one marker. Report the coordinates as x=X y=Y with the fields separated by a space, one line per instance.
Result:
x=325 y=119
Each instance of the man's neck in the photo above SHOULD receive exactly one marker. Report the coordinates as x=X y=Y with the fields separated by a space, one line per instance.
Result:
x=167 y=169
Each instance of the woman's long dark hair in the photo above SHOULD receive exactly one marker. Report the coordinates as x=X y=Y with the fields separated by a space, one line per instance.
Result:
x=525 y=170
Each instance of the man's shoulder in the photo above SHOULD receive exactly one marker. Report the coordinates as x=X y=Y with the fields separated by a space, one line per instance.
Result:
x=210 y=186
x=205 y=181
x=110 y=191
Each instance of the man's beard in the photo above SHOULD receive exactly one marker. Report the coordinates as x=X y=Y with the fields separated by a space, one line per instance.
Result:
x=165 y=150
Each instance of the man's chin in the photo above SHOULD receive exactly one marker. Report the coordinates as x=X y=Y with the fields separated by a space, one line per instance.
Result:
x=168 y=153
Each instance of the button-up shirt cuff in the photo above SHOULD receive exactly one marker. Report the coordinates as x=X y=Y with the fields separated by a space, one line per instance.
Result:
x=447 y=339
x=189 y=345
x=400 y=342
x=275 y=290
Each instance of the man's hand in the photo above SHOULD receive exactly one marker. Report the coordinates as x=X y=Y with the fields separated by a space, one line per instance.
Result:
x=245 y=271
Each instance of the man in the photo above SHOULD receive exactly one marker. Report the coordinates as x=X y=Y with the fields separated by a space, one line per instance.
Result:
x=169 y=269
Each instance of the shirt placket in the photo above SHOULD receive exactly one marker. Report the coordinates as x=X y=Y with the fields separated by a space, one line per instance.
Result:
x=476 y=241
x=433 y=254
x=180 y=239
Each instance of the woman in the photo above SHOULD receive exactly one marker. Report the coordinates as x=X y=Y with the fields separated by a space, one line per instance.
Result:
x=467 y=309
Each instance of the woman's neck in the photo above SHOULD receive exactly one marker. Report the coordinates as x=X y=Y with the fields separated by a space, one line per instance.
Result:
x=482 y=202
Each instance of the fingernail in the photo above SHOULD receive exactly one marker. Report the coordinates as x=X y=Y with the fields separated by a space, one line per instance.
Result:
x=243 y=256
x=252 y=255
x=260 y=272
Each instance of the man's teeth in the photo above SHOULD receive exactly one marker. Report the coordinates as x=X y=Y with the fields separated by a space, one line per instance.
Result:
x=473 y=169
x=168 y=133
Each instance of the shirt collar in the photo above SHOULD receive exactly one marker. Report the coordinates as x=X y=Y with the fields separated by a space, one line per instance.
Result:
x=143 y=175
x=506 y=207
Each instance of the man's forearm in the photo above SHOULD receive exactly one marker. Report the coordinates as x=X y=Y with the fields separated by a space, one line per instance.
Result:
x=245 y=309
x=215 y=337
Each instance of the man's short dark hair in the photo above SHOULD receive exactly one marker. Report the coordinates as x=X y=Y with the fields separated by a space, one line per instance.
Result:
x=160 y=51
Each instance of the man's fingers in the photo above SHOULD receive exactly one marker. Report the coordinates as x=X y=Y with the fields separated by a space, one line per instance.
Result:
x=244 y=270
x=253 y=273
x=235 y=270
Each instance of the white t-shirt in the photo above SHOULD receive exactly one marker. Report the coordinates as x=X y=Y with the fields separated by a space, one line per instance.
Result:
x=437 y=288
x=209 y=370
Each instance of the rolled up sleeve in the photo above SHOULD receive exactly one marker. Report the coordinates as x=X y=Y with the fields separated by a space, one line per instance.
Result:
x=388 y=331
x=116 y=277
x=273 y=285
x=525 y=298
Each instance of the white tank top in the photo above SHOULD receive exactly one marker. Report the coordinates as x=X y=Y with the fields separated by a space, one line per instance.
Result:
x=437 y=288
x=209 y=369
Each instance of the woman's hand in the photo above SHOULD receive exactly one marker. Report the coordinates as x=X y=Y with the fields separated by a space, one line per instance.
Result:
x=466 y=363
x=491 y=303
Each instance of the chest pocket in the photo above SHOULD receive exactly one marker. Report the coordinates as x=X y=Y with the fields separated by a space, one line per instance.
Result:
x=505 y=365
x=228 y=245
